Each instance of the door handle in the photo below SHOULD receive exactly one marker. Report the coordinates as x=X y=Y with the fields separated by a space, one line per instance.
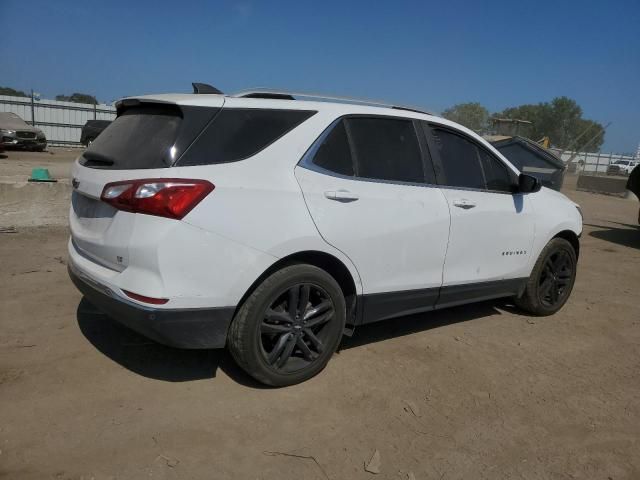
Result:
x=342 y=196
x=464 y=203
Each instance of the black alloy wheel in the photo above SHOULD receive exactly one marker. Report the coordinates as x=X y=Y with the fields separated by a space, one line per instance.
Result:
x=556 y=278
x=287 y=328
x=295 y=327
x=551 y=280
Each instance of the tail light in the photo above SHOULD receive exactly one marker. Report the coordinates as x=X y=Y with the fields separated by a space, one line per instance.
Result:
x=163 y=197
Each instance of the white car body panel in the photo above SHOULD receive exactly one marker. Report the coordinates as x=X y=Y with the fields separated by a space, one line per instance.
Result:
x=396 y=234
x=554 y=213
x=491 y=236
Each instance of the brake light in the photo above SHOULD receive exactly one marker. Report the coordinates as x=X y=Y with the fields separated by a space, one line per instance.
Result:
x=162 y=197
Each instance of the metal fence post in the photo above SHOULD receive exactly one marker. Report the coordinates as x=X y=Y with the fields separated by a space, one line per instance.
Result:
x=610 y=159
x=598 y=163
x=33 y=110
x=95 y=111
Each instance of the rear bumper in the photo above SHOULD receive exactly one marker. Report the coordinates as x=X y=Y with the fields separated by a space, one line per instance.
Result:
x=179 y=328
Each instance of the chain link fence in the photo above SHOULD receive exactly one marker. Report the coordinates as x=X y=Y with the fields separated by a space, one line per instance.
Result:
x=592 y=163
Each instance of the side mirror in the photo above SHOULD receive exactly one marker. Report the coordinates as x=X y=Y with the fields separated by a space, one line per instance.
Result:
x=528 y=183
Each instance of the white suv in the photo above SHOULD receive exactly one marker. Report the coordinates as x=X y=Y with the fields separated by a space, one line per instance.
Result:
x=622 y=167
x=274 y=225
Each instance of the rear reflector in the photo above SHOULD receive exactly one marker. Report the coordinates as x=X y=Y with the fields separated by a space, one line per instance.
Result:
x=142 y=298
x=162 y=197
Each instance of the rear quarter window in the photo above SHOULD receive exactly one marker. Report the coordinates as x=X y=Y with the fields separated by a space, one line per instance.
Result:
x=334 y=153
x=236 y=134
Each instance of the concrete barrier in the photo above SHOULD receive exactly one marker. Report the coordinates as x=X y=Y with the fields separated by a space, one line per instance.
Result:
x=609 y=185
x=30 y=204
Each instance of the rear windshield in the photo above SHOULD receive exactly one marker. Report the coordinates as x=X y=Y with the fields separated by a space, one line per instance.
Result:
x=162 y=135
x=140 y=137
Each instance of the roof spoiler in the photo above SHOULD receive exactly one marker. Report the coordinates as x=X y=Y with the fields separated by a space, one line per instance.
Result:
x=203 y=88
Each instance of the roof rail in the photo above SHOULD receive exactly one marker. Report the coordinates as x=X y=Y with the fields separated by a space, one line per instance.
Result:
x=285 y=95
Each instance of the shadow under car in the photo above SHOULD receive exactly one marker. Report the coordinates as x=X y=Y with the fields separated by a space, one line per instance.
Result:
x=153 y=360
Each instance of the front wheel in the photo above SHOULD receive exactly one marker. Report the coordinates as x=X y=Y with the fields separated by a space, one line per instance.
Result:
x=551 y=280
x=288 y=328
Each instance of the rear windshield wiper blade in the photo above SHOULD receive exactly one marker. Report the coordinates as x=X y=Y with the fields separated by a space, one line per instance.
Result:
x=98 y=158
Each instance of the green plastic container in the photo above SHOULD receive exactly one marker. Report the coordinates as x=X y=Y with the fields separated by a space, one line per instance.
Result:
x=41 y=175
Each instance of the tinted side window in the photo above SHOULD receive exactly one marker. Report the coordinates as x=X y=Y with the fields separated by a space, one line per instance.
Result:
x=459 y=160
x=333 y=153
x=495 y=172
x=386 y=149
x=236 y=134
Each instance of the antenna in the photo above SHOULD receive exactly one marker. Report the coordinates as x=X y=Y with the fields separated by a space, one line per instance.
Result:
x=203 y=88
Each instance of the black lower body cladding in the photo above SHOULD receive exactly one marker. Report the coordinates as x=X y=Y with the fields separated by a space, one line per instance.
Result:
x=179 y=328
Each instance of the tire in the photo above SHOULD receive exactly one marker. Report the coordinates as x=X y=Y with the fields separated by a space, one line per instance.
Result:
x=551 y=280
x=279 y=345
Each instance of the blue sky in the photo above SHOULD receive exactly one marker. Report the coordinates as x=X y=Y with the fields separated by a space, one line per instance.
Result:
x=429 y=54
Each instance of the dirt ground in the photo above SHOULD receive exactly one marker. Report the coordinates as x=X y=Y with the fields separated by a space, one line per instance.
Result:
x=17 y=164
x=25 y=204
x=474 y=392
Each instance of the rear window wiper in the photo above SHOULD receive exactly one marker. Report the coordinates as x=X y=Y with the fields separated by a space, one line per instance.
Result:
x=98 y=159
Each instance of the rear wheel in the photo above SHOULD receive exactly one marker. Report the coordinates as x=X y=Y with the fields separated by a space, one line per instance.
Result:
x=551 y=280
x=286 y=331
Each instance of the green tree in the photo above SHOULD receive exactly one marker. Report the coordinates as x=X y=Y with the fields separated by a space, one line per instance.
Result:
x=592 y=140
x=78 y=98
x=472 y=115
x=560 y=120
x=12 y=92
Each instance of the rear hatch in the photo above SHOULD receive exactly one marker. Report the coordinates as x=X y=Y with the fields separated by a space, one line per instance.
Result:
x=145 y=141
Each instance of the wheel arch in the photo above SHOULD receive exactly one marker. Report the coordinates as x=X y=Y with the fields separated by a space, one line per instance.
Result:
x=571 y=237
x=323 y=260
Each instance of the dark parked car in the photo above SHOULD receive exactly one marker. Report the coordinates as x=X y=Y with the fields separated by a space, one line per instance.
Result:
x=16 y=133
x=92 y=129
x=531 y=158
